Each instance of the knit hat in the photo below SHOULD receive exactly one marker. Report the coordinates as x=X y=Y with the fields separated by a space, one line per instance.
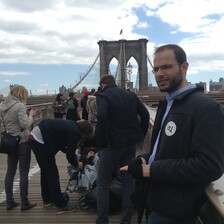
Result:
x=86 y=93
x=89 y=149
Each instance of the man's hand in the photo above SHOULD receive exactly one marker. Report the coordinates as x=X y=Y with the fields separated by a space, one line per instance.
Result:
x=80 y=166
x=137 y=168
x=124 y=168
x=146 y=170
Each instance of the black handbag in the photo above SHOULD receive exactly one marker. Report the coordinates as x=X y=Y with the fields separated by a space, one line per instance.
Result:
x=9 y=143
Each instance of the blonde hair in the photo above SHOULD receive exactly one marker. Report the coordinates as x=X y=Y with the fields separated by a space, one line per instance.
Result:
x=20 y=92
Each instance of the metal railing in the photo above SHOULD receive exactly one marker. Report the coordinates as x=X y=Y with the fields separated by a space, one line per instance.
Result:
x=44 y=111
x=213 y=207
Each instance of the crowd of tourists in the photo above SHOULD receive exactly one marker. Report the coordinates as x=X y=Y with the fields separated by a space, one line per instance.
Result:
x=166 y=185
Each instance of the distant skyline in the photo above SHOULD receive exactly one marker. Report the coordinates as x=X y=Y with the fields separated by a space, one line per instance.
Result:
x=50 y=44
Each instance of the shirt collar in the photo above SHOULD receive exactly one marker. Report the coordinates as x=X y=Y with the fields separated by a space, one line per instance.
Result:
x=170 y=97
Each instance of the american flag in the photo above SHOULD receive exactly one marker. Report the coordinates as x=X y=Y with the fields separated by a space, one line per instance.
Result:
x=121 y=31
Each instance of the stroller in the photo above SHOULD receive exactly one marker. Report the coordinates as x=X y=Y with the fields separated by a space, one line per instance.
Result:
x=89 y=200
x=81 y=181
x=86 y=185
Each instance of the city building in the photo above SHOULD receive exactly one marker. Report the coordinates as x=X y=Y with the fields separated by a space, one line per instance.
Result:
x=217 y=86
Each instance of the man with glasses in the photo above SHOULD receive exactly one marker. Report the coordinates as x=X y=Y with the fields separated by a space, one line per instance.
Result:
x=186 y=146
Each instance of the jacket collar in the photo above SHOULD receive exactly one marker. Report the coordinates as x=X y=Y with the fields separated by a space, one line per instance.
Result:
x=189 y=91
x=109 y=86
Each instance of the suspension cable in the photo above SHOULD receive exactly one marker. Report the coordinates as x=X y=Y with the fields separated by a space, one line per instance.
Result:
x=86 y=72
x=118 y=64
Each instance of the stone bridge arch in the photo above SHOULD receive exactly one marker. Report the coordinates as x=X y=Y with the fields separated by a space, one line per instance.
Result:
x=123 y=50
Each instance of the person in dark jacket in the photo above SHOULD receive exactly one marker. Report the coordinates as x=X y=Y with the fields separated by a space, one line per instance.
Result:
x=186 y=146
x=117 y=132
x=83 y=103
x=72 y=108
x=59 y=106
x=46 y=140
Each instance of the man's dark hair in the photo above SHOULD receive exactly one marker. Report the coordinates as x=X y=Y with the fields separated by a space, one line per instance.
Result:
x=71 y=94
x=86 y=128
x=179 y=53
x=107 y=79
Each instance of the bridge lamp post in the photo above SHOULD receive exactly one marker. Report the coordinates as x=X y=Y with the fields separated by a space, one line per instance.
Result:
x=129 y=70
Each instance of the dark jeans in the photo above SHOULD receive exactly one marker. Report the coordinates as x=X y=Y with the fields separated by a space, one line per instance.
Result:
x=23 y=157
x=49 y=177
x=110 y=160
x=155 y=218
x=58 y=115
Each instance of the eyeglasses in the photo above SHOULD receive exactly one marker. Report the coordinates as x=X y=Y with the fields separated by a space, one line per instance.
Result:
x=162 y=67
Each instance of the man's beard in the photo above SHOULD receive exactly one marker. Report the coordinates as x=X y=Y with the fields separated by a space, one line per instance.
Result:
x=174 y=84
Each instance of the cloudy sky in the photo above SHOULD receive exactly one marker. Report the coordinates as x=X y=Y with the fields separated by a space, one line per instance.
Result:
x=45 y=44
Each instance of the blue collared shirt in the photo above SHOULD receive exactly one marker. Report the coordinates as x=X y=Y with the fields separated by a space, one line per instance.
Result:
x=169 y=99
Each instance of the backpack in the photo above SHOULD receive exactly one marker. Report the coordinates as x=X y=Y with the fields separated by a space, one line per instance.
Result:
x=89 y=200
x=70 y=104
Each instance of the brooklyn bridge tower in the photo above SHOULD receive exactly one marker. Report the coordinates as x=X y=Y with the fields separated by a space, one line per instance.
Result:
x=123 y=50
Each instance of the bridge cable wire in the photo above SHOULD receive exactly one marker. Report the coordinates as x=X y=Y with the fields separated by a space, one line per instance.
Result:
x=125 y=61
x=82 y=78
x=147 y=57
x=118 y=64
x=148 y=61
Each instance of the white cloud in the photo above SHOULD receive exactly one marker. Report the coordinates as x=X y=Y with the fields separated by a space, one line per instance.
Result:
x=203 y=21
x=28 y=6
x=67 y=31
x=44 y=85
x=13 y=73
x=60 y=31
x=142 y=25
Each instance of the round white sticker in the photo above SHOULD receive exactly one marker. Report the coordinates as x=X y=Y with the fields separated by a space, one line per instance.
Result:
x=170 y=128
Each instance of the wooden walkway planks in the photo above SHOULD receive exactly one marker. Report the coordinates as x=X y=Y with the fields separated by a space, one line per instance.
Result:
x=39 y=214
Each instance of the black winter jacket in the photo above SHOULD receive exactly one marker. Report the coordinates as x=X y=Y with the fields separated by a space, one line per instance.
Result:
x=60 y=134
x=118 y=121
x=189 y=156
